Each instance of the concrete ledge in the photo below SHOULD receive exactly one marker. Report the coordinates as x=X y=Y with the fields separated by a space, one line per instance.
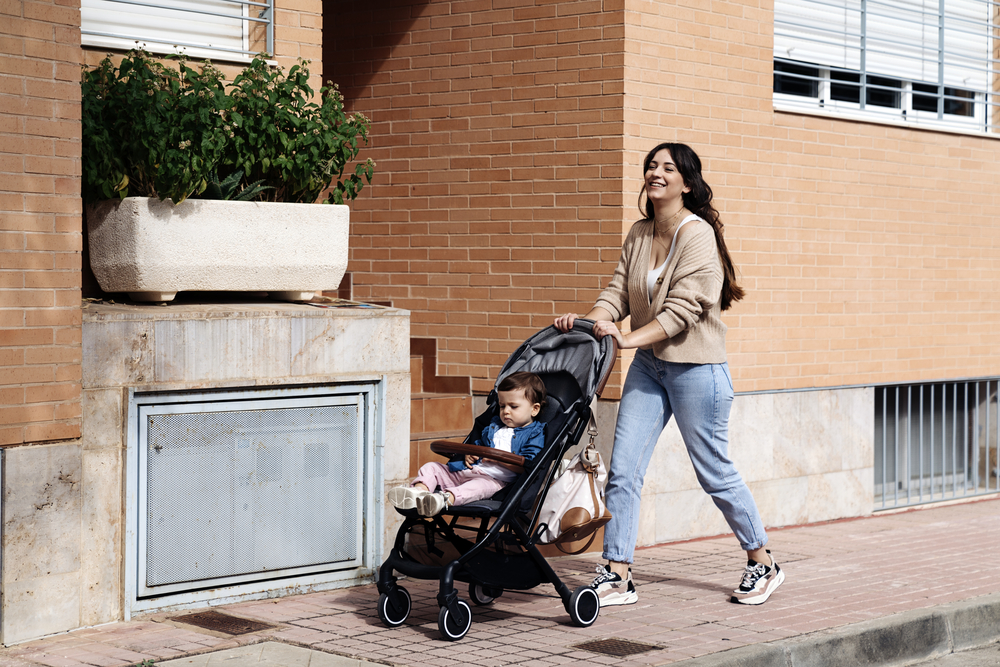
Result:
x=900 y=639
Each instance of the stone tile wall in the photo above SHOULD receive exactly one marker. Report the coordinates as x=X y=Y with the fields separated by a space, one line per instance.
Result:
x=807 y=456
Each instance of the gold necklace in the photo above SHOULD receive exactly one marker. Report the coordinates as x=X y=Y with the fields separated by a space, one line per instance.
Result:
x=669 y=224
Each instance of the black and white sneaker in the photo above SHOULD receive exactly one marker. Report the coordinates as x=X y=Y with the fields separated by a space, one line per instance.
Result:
x=612 y=590
x=759 y=581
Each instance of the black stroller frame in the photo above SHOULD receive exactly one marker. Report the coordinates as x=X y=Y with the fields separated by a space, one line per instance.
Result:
x=504 y=554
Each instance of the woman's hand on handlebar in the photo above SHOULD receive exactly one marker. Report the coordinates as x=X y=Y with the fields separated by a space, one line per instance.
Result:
x=604 y=328
x=565 y=322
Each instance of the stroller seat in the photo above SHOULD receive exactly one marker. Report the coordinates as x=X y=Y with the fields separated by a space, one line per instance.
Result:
x=492 y=544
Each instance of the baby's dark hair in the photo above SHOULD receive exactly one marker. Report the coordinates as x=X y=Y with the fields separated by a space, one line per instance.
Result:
x=534 y=388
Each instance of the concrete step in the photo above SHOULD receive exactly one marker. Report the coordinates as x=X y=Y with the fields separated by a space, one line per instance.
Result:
x=432 y=413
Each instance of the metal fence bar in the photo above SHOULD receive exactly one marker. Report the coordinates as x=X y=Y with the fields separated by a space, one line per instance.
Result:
x=895 y=487
x=909 y=441
x=975 y=439
x=954 y=444
x=995 y=470
x=986 y=436
x=885 y=463
x=965 y=434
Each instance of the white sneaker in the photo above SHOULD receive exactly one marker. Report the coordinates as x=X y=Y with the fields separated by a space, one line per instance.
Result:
x=759 y=581
x=612 y=589
x=432 y=504
x=406 y=497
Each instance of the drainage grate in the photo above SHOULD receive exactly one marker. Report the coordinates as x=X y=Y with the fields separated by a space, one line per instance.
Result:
x=219 y=622
x=616 y=647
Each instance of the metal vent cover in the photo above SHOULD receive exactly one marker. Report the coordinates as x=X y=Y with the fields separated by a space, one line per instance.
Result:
x=219 y=622
x=616 y=647
x=235 y=491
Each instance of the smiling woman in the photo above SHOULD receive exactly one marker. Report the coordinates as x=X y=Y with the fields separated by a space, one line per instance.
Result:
x=674 y=278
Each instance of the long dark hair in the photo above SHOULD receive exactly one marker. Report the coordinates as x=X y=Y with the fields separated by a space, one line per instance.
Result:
x=699 y=202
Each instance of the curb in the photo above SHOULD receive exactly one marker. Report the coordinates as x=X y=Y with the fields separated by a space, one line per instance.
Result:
x=900 y=639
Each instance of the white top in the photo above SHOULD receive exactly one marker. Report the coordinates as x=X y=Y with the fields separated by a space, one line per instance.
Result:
x=502 y=440
x=654 y=274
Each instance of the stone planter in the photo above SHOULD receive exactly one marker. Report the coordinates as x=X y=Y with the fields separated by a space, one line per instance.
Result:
x=153 y=249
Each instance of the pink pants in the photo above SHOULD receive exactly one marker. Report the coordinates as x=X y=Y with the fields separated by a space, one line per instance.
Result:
x=465 y=485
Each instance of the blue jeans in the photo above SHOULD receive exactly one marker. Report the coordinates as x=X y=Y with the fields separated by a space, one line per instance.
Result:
x=699 y=396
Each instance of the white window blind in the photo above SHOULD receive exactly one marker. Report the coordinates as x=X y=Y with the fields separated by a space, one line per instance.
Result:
x=220 y=29
x=905 y=55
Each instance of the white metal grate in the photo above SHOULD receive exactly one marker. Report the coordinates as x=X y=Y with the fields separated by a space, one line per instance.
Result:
x=235 y=491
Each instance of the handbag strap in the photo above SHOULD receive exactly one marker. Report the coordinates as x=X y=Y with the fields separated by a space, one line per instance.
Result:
x=592 y=425
x=588 y=461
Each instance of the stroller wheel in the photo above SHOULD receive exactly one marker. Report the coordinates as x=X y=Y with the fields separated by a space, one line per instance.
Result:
x=391 y=616
x=451 y=628
x=584 y=606
x=483 y=595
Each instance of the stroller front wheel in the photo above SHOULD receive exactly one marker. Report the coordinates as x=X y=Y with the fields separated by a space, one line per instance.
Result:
x=483 y=595
x=394 y=616
x=584 y=606
x=452 y=628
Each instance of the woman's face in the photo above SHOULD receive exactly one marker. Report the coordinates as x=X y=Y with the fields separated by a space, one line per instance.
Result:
x=664 y=183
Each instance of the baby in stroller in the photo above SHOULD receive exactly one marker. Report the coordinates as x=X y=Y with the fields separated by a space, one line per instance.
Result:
x=492 y=544
x=520 y=397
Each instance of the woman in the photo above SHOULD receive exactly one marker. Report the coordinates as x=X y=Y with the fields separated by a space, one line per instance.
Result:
x=675 y=277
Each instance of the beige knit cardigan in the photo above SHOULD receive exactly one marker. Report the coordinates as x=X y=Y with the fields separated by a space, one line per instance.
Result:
x=687 y=301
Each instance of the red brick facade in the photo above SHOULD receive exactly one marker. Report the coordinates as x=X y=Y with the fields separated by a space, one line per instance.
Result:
x=40 y=233
x=509 y=137
x=498 y=135
x=41 y=210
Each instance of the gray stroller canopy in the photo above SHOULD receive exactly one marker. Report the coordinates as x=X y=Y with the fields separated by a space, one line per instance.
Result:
x=576 y=352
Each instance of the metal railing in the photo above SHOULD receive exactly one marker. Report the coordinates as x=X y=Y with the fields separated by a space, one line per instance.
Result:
x=936 y=441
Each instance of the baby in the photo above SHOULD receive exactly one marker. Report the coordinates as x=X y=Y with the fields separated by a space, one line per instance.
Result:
x=520 y=396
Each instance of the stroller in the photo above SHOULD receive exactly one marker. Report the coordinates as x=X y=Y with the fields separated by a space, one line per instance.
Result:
x=491 y=544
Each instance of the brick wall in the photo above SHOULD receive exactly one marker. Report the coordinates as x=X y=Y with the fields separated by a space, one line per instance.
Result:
x=498 y=137
x=39 y=221
x=509 y=138
x=40 y=208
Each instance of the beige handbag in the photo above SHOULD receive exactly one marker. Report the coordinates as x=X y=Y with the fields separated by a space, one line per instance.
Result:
x=574 y=507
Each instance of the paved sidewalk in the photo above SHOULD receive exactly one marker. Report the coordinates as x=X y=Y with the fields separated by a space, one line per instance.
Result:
x=843 y=579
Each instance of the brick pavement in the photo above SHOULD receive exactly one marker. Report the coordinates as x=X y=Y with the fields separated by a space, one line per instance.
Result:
x=837 y=573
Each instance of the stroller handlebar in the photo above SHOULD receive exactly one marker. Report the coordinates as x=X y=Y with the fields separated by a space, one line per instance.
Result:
x=448 y=447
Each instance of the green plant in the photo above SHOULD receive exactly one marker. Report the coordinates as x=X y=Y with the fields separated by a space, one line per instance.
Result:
x=158 y=131
x=227 y=188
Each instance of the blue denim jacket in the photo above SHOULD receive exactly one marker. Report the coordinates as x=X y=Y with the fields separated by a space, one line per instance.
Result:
x=528 y=441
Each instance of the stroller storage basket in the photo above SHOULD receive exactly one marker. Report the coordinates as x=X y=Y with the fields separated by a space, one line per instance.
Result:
x=491 y=544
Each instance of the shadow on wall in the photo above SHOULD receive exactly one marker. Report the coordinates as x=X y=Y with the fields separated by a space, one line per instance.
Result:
x=359 y=38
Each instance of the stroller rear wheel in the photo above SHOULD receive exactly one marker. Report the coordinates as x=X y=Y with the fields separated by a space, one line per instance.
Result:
x=483 y=595
x=394 y=616
x=584 y=606
x=452 y=628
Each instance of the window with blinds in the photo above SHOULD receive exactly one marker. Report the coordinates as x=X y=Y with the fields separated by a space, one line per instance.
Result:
x=217 y=29
x=927 y=62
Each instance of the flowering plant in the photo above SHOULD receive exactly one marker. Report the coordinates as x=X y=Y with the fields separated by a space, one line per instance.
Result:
x=150 y=130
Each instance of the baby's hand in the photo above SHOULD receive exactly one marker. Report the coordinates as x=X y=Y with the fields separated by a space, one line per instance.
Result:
x=470 y=460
